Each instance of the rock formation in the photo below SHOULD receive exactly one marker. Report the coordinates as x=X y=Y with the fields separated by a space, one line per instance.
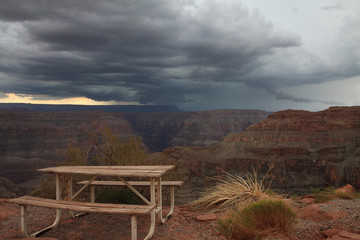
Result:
x=33 y=139
x=298 y=149
x=204 y=128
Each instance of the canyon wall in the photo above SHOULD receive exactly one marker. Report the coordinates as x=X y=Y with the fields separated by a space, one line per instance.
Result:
x=297 y=150
x=203 y=128
x=30 y=140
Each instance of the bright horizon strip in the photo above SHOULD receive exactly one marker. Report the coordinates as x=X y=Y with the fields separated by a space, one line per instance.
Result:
x=14 y=98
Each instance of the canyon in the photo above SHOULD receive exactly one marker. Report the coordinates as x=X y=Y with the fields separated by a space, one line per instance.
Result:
x=293 y=150
x=32 y=139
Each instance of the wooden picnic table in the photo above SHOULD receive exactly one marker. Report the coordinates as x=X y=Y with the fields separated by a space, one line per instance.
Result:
x=64 y=177
x=121 y=171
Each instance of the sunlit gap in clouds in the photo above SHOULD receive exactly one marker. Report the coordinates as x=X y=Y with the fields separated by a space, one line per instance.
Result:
x=34 y=99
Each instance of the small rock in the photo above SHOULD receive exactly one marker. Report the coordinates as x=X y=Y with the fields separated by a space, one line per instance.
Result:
x=336 y=215
x=3 y=200
x=39 y=238
x=307 y=196
x=206 y=217
x=337 y=237
x=330 y=232
x=346 y=189
x=308 y=200
x=313 y=213
x=352 y=236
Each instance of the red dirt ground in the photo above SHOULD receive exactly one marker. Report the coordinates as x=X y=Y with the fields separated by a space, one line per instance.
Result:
x=338 y=219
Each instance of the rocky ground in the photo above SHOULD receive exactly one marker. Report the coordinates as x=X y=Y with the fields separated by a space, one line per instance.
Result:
x=336 y=220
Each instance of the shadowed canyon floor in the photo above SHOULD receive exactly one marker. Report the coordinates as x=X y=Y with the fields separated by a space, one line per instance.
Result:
x=337 y=219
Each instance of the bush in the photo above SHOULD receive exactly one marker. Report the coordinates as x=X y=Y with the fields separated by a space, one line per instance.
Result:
x=46 y=190
x=101 y=146
x=116 y=195
x=233 y=193
x=257 y=220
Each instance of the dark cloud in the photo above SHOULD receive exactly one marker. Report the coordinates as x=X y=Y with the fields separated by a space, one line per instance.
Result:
x=154 y=51
x=285 y=96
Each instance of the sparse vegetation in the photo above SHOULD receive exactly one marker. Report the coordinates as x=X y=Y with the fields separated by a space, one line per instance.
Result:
x=102 y=146
x=45 y=190
x=233 y=193
x=330 y=193
x=257 y=220
x=109 y=194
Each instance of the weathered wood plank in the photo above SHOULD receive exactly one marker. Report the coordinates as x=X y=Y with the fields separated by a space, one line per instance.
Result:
x=83 y=206
x=123 y=171
x=133 y=183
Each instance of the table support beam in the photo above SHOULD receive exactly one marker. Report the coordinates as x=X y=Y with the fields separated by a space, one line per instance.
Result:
x=82 y=189
x=135 y=191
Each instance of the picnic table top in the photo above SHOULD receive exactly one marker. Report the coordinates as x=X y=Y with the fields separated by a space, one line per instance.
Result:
x=120 y=171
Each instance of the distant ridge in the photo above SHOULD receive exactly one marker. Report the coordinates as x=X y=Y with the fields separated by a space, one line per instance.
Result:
x=105 y=108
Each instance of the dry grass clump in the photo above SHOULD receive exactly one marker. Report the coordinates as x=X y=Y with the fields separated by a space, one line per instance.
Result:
x=331 y=193
x=347 y=196
x=258 y=220
x=233 y=193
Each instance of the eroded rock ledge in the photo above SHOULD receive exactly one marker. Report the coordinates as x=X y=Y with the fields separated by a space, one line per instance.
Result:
x=298 y=149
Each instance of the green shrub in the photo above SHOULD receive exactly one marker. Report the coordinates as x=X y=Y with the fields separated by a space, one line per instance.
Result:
x=116 y=195
x=257 y=220
x=47 y=189
x=105 y=146
x=322 y=196
x=295 y=196
x=101 y=145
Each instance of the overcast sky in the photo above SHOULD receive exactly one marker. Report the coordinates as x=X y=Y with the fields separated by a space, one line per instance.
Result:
x=198 y=55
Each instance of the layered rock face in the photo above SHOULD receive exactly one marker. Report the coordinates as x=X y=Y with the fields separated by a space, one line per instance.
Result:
x=204 y=128
x=31 y=140
x=298 y=149
x=207 y=127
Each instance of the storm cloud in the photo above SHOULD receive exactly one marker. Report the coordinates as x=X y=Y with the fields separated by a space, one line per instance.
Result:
x=157 y=51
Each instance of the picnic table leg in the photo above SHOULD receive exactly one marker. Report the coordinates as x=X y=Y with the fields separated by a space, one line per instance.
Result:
x=172 y=204
x=58 y=213
x=58 y=197
x=69 y=191
x=133 y=227
x=24 y=221
x=159 y=203
x=92 y=194
x=153 y=212
x=72 y=196
x=159 y=199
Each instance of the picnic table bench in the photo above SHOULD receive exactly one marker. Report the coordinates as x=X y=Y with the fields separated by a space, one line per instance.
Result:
x=133 y=210
x=152 y=207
